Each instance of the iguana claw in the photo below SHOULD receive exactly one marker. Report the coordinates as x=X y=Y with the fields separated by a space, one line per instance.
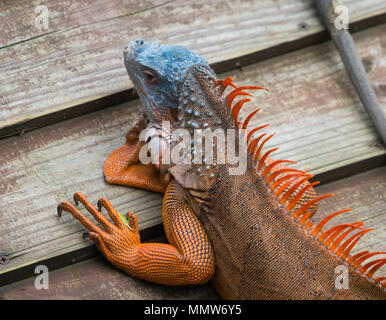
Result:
x=76 y=198
x=99 y=204
x=59 y=210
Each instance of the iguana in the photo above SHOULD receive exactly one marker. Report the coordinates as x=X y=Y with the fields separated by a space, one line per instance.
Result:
x=249 y=233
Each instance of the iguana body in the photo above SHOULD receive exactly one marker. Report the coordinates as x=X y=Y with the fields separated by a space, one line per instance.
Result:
x=250 y=233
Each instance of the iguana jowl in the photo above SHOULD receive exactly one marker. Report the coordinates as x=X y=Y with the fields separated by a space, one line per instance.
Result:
x=250 y=233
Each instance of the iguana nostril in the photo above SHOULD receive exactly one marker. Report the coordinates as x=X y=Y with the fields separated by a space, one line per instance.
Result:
x=139 y=41
x=134 y=44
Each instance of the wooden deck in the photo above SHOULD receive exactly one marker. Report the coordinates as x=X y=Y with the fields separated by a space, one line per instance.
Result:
x=366 y=192
x=76 y=67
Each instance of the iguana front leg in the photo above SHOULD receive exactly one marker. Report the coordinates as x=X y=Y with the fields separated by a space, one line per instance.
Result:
x=188 y=259
x=123 y=166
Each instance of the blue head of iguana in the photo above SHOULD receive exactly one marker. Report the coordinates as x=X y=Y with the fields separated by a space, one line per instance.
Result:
x=157 y=72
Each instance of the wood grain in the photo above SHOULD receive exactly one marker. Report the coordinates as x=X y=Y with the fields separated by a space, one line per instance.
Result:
x=366 y=191
x=76 y=65
x=312 y=105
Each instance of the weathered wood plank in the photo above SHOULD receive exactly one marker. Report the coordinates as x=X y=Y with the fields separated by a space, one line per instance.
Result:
x=95 y=279
x=319 y=120
x=76 y=66
x=366 y=192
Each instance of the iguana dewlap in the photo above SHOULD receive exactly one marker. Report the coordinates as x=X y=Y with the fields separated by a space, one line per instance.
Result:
x=250 y=233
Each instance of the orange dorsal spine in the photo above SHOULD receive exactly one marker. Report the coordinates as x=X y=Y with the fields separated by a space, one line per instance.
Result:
x=285 y=182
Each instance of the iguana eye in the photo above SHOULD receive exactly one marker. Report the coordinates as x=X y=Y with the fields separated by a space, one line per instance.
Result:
x=150 y=76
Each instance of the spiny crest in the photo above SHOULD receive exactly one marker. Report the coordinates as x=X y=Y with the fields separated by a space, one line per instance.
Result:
x=289 y=186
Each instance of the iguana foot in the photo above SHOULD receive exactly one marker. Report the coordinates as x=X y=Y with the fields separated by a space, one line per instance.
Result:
x=187 y=259
x=117 y=238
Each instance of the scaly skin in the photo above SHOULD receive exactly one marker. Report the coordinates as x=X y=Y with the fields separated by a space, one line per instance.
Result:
x=250 y=233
